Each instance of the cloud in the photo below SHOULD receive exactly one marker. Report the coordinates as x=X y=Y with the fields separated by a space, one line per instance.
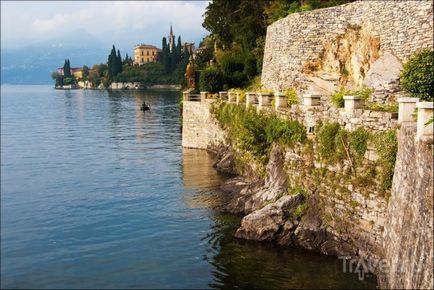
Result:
x=47 y=25
x=59 y=18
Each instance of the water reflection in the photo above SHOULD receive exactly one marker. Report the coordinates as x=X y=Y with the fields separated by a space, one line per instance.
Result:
x=201 y=181
x=248 y=264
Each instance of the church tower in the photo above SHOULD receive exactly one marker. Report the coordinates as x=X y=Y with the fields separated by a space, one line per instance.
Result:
x=171 y=39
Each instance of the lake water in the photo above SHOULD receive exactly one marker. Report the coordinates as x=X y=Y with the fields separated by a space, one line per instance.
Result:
x=98 y=194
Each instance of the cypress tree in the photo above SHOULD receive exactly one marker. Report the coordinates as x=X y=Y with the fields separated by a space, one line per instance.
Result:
x=118 y=63
x=111 y=64
x=67 y=69
x=166 y=56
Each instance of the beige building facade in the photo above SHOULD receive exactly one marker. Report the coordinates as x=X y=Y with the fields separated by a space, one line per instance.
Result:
x=145 y=53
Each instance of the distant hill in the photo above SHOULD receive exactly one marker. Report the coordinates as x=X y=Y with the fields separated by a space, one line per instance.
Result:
x=34 y=64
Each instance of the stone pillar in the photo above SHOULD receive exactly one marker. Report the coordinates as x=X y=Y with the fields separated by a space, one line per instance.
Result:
x=250 y=98
x=311 y=100
x=280 y=100
x=231 y=97
x=264 y=99
x=186 y=95
x=238 y=98
x=351 y=103
x=203 y=96
x=407 y=107
x=424 y=115
x=223 y=95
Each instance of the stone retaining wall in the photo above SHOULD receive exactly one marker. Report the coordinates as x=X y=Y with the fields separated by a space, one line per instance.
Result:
x=364 y=29
x=199 y=128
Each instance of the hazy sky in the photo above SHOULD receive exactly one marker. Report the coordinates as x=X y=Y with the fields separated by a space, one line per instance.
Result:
x=120 y=22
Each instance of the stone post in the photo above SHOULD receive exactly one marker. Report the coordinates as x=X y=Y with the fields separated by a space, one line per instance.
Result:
x=223 y=95
x=424 y=115
x=203 y=96
x=264 y=99
x=231 y=97
x=407 y=107
x=186 y=95
x=280 y=100
x=238 y=98
x=250 y=98
x=311 y=100
x=351 y=103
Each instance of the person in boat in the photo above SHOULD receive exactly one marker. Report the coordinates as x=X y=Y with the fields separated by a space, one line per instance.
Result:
x=144 y=107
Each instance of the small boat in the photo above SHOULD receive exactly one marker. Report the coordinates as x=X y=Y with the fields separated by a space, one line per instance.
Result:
x=145 y=107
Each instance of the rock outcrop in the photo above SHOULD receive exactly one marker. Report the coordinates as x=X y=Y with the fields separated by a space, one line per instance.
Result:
x=266 y=223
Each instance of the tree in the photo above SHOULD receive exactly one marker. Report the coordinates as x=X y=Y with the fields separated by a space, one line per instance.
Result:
x=67 y=69
x=111 y=63
x=58 y=79
x=166 y=56
x=85 y=71
x=417 y=76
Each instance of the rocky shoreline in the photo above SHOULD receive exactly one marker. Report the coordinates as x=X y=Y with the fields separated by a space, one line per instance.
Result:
x=270 y=213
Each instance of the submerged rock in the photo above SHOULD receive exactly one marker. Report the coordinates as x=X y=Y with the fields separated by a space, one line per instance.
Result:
x=265 y=224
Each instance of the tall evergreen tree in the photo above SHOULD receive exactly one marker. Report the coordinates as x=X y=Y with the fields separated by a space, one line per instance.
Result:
x=165 y=55
x=111 y=63
x=118 y=63
x=67 y=69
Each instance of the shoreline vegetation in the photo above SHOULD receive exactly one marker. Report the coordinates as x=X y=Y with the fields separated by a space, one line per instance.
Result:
x=151 y=68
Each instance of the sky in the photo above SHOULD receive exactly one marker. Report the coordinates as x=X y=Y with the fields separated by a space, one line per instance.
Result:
x=124 y=23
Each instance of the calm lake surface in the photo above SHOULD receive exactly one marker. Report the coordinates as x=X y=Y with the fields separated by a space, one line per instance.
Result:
x=98 y=194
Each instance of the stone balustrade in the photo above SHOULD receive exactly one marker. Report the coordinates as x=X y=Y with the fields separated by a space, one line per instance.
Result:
x=407 y=107
x=310 y=100
x=223 y=95
x=232 y=97
x=424 y=115
x=250 y=98
x=280 y=100
x=351 y=103
x=264 y=99
x=203 y=96
x=238 y=96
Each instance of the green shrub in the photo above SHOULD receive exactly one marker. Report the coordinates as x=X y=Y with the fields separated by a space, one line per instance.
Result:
x=359 y=142
x=327 y=141
x=386 y=146
x=417 y=76
x=338 y=97
x=292 y=97
x=211 y=80
x=255 y=132
x=393 y=107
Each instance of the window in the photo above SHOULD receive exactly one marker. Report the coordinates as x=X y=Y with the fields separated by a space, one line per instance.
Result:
x=147 y=52
x=142 y=59
x=142 y=52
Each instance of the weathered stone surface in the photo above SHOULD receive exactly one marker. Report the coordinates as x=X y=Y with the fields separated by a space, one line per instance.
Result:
x=384 y=71
x=264 y=224
x=199 y=127
x=254 y=197
x=346 y=38
x=408 y=231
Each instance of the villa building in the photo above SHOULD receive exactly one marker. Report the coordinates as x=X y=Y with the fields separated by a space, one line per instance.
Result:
x=77 y=72
x=145 y=53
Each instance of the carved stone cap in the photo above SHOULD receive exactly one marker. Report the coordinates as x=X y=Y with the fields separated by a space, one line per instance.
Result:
x=310 y=96
x=425 y=105
x=355 y=98
x=279 y=94
x=408 y=100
